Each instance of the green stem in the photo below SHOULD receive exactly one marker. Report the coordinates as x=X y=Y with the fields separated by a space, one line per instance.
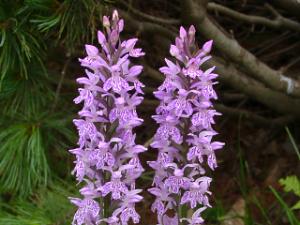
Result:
x=104 y=202
x=101 y=201
x=181 y=211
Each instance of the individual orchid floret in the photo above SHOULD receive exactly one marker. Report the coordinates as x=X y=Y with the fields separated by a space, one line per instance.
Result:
x=196 y=218
x=115 y=186
x=88 y=211
x=184 y=138
x=197 y=193
x=107 y=157
x=163 y=201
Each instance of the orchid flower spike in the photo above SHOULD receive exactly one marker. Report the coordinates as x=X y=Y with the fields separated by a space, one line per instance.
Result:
x=107 y=157
x=184 y=137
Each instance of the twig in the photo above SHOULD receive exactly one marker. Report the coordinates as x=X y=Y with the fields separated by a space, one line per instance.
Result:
x=234 y=112
x=277 y=23
x=280 y=51
x=146 y=27
x=148 y=142
x=292 y=6
x=272 y=10
x=290 y=64
x=283 y=21
x=150 y=17
x=262 y=47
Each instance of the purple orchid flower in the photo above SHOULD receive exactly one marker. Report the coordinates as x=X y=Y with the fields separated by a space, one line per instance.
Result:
x=185 y=117
x=88 y=211
x=107 y=157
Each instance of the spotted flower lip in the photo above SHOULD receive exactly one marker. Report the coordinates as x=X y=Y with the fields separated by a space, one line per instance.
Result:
x=88 y=211
x=107 y=157
x=184 y=138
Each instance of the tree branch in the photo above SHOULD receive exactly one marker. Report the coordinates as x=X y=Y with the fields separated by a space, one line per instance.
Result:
x=277 y=23
x=237 y=53
x=150 y=17
x=236 y=113
x=292 y=6
x=148 y=27
x=275 y=100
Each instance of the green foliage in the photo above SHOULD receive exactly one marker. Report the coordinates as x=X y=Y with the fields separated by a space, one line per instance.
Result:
x=296 y=206
x=215 y=214
x=292 y=184
x=32 y=134
x=28 y=131
x=288 y=211
x=20 y=45
x=263 y=211
x=23 y=23
x=22 y=165
x=23 y=152
x=70 y=21
x=49 y=206
x=35 y=121
x=26 y=96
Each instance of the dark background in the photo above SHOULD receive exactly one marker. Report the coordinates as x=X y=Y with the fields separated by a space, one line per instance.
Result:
x=256 y=51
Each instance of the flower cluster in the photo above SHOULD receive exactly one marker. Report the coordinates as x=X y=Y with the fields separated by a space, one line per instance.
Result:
x=107 y=155
x=184 y=137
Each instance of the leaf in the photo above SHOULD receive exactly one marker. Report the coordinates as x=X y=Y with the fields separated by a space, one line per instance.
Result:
x=293 y=142
x=296 y=206
x=291 y=184
x=46 y=23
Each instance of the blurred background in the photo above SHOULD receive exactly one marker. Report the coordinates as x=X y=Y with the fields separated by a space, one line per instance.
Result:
x=257 y=54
